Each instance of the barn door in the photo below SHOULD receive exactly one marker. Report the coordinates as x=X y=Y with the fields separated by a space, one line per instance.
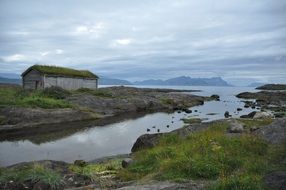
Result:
x=37 y=84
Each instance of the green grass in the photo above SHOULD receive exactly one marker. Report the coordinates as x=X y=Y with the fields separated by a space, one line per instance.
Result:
x=16 y=96
x=54 y=70
x=167 y=101
x=96 y=172
x=34 y=173
x=98 y=92
x=234 y=162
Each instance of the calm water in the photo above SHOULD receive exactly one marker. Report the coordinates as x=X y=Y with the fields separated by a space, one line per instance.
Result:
x=118 y=138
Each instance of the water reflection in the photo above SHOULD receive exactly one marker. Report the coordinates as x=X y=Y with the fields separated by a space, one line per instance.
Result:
x=117 y=138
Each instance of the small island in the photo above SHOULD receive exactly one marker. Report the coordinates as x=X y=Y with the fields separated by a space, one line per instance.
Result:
x=272 y=87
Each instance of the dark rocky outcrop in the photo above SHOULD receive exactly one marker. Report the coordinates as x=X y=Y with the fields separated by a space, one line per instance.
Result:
x=249 y=116
x=276 y=180
x=165 y=185
x=265 y=98
x=102 y=104
x=272 y=87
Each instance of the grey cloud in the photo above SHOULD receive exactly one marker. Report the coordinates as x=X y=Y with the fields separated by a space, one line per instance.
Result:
x=148 y=39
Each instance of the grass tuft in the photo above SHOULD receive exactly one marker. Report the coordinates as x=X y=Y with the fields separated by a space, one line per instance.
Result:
x=16 y=96
x=236 y=162
x=34 y=173
x=98 y=92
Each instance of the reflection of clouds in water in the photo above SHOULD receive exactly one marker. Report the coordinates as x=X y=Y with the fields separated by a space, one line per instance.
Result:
x=116 y=138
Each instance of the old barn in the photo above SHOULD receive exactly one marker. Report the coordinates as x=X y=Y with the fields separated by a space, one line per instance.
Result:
x=43 y=76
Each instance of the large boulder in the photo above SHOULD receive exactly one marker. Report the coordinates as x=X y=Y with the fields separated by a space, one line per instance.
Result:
x=275 y=132
x=235 y=126
x=146 y=141
x=276 y=180
x=226 y=114
x=151 y=140
x=262 y=115
x=249 y=116
x=126 y=162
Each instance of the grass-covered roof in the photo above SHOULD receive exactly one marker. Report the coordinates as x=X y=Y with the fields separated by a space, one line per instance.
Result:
x=61 y=71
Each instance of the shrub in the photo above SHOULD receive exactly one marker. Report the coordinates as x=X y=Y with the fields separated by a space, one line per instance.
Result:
x=49 y=98
x=34 y=173
x=43 y=102
x=95 y=92
x=56 y=92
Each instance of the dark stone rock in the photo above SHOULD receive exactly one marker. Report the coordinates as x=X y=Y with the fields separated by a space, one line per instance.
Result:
x=146 y=141
x=151 y=140
x=226 y=114
x=80 y=163
x=278 y=115
x=254 y=128
x=239 y=109
x=276 y=180
x=126 y=162
x=76 y=180
x=14 y=186
x=187 y=110
x=249 y=116
x=41 y=186
x=215 y=97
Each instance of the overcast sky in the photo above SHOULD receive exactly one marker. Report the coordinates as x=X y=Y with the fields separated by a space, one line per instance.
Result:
x=240 y=40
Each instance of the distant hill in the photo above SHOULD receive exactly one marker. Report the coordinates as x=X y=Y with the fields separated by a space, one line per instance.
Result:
x=10 y=81
x=10 y=75
x=256 y=84
x=186 y=81
x=272 y=87
x=177 y=81
x=111 y=81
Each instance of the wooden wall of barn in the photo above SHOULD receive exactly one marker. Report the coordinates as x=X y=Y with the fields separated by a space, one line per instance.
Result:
x=70 y=83
x=33 y=80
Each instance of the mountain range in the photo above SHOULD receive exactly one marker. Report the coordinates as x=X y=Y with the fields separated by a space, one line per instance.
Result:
x=177 y=81
x=186 y=81
x=10 y=81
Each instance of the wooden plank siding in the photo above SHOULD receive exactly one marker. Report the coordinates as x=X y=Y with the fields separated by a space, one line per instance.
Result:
x=70 y=83
x=33 y=80
x=36 y=80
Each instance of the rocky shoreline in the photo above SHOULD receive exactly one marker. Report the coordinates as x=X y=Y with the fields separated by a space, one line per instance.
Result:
x=112 y=102
x=110 y=172
x=274 y=133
